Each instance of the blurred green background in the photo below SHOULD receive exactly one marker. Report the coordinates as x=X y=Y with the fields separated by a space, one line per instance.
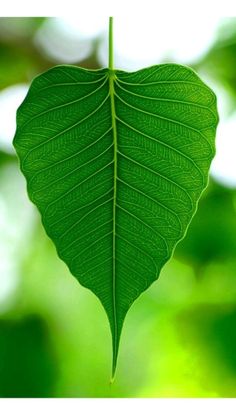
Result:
x=179 y=338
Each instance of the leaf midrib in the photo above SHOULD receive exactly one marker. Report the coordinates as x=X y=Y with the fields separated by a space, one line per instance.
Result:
x=112 y=76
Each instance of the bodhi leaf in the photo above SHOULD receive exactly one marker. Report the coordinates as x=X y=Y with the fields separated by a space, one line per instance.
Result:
x=116 y=163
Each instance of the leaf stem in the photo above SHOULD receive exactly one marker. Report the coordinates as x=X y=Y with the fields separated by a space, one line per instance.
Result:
x=110 y=43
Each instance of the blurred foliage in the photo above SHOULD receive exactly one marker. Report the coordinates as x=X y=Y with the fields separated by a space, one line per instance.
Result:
x=27 y=365
x=212 y=328
x=212 y=233
x=220 y=62
x=6 y=158
x=179 y=339
x=20 y=60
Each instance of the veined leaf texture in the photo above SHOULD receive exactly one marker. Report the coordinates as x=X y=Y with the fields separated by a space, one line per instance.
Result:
x=116 y=163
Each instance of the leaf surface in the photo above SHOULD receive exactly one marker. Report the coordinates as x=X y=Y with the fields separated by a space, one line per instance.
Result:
x=116 y=163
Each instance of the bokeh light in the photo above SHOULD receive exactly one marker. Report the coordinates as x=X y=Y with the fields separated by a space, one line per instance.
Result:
x=10 y=100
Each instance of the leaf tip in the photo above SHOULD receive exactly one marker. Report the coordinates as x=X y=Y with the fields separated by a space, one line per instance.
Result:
x=112 y=379
x=114 y=364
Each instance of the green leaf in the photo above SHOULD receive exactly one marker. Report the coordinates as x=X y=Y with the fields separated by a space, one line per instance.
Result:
x=116 y=163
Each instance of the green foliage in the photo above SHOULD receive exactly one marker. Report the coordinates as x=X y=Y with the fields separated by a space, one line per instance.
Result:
x=211 y=327
x=20 y=60
x=116 y=163
x=211 y=234
x=30 y=370
x=220 y=61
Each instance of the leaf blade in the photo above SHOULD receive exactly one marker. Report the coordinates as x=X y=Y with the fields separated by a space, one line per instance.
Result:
x=116 y=163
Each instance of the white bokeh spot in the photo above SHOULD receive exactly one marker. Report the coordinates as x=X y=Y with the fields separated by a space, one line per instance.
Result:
x=223 y=167
x=10 y=100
